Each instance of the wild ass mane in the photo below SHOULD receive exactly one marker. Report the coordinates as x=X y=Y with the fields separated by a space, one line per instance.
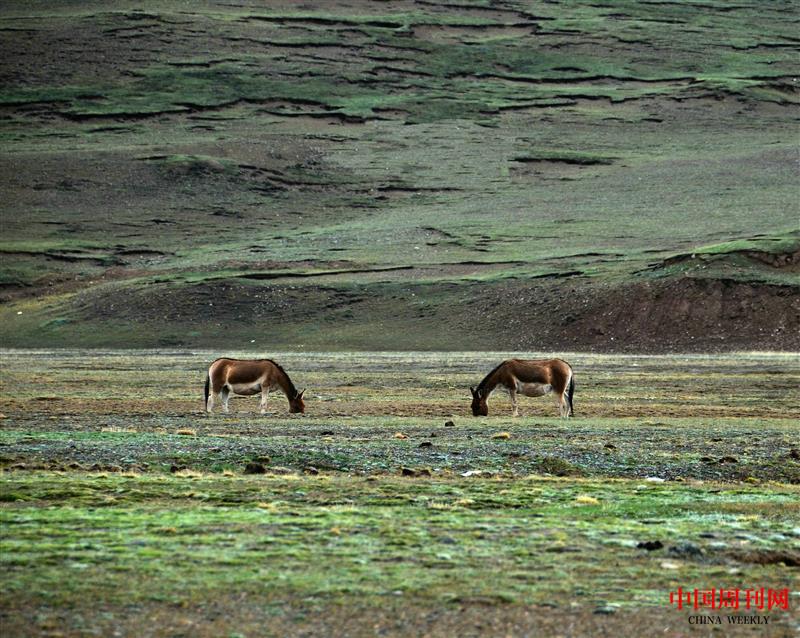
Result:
x=283 y=372
x=485 y=379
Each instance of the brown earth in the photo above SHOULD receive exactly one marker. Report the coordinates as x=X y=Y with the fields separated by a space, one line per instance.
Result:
x=50 y=407
x=678 y=314
x=248 y=616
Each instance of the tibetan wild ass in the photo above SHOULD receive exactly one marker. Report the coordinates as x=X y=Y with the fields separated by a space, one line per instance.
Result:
x=248 y=378
x=528 y=377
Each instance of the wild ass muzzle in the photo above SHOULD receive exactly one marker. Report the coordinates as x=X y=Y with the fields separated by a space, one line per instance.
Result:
x=249 y=377
x=531 y=378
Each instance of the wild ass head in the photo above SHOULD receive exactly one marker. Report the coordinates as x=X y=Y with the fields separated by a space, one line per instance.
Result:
x=296 y=404
x=479 y=406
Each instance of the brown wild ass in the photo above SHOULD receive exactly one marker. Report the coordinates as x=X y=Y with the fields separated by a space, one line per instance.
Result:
x=248 y=378
x=532 y=378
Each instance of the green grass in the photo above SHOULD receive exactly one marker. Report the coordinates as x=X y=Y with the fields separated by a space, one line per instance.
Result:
x=787 y=242
x=175 y=539
x=116 y=489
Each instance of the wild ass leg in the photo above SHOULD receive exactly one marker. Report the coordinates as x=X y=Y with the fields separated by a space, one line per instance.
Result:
x=264 y=397
x=512 y=392
x=224 y=394
x=210 y=402
x=563 y=406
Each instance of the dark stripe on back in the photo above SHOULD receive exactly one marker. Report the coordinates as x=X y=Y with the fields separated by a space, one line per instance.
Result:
x=272 y=361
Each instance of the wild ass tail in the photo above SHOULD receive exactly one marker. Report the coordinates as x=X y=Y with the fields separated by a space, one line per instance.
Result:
x=570 y=392
x=205 y=395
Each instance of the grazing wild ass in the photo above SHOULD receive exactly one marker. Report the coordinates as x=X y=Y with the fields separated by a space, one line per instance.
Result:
x=528 y=377
x=248 y=378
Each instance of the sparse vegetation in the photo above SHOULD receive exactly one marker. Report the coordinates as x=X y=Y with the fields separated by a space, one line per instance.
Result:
x=103 y=498
x=422 y=155
x=410 y=176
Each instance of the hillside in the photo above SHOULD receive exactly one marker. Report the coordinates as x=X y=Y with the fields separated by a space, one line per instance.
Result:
x=608 y=176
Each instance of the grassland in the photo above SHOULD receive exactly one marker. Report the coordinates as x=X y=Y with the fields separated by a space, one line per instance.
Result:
x=342 y=176
x=328 y=177
x=125 y=509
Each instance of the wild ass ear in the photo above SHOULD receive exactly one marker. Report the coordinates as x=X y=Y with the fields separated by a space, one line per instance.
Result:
x=472 y=390
x=300 y=394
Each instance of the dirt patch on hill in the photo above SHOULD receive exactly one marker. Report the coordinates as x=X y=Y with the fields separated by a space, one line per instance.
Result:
x=650 y=316
x=685 y=314
x=654 y=316
x=223 y=303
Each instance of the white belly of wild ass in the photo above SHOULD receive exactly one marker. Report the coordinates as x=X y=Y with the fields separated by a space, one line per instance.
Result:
x=533 y=389
x=247 y=388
